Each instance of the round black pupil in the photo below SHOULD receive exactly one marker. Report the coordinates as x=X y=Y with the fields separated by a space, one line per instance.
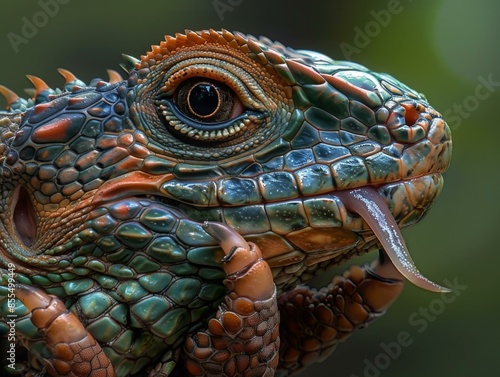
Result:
x=203 y=99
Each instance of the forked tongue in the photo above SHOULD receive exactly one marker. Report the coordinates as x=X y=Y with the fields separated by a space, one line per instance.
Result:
x=371 y=207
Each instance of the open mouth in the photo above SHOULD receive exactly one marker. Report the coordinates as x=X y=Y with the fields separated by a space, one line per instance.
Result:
x=369 y=204
x=24 y=217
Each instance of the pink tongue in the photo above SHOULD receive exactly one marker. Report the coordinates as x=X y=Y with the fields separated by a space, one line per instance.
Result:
x=372 y=208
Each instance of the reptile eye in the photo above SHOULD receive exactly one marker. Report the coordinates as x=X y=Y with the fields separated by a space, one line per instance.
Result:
x=204 y=109
x=207 y=101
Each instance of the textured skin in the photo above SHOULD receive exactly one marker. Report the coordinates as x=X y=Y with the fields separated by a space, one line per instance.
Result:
x=105 y=188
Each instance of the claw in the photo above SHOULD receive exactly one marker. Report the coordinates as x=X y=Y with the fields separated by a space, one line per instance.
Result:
x=250 y=274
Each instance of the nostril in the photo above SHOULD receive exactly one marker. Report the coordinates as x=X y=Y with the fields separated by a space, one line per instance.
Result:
x=24 y=218
x=411 y=114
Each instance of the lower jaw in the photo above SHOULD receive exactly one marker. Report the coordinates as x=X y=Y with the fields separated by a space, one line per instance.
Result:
x=305 y=235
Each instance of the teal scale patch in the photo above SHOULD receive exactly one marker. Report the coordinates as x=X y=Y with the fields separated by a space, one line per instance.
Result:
x=131 y=291
x=248 y=219
x=383 y=168
x=306 y=137
x=287 y=217
x=141 y=264
x=362 y=112
x=314 y=179
x=158 y=220
x=120 y=313
x=170 y=324
x=103 y=224
x=133 y=235
x=41 y=280
x=56 y=278
x=94 y=304
x=212 y=292
x=107 y=244
x=77 y=286
x=27 y=329
x=207 y=256
x=328 y=98
x=238 y=191
x=56 y=291
x=211 y=274
x=322 y=120
x=183 y=269
x=96 y=265
x=122 y=255
x=278 y=185
x=150 y=309
x=184 y=290
x=166 y=250
x=349 y=172
x=124 y=341
x=106 y=281
x=323 y=212
x=155 y=282
x=193 y=234
x=104 y=329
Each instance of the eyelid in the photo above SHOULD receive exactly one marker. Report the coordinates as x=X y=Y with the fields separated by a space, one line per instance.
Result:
x=249 y=92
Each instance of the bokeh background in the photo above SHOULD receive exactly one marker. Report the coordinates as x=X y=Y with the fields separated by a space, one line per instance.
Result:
x=447 y=49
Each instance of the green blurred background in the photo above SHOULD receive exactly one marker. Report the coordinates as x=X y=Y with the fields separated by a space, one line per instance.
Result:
x=447 y=49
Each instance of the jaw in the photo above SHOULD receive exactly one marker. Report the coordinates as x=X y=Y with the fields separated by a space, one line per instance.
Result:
x=349 y=223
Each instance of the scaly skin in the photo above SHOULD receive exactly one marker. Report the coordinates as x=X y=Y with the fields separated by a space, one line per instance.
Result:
x=105 y=189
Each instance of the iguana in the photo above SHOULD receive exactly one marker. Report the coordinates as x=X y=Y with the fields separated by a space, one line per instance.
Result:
x=166 y=223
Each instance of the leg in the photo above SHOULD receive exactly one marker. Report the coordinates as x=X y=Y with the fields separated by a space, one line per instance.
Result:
x=243 y=338
x=313 y=322
x=74 y=351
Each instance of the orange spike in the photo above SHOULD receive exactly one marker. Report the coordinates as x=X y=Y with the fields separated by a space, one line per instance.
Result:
x=38 y=83
x=9 y=95
x=68 y=76
x=114 y=76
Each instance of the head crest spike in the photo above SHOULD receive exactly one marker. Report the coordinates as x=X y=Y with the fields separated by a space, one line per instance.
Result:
x=38 y=83
x=130 y=62
x=68 y=76
x=9 y=95
x=114 y=77
x=71 y=80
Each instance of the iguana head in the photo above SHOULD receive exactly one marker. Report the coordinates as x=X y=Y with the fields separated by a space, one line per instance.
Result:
x=284 y=146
